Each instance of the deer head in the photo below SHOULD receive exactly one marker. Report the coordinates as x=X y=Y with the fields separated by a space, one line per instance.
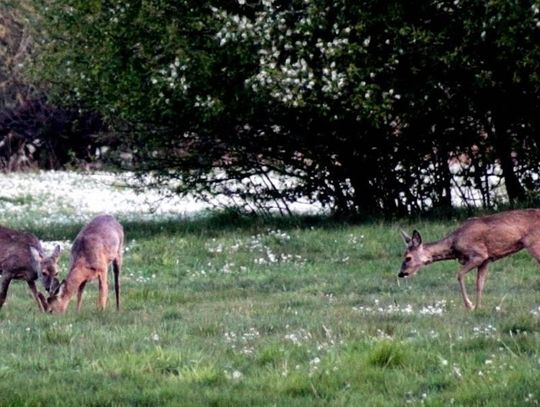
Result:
x=48 y=268
x=415 y=255
x=54 y=302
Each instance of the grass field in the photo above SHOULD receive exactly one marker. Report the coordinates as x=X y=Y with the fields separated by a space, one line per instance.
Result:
x=228 y=311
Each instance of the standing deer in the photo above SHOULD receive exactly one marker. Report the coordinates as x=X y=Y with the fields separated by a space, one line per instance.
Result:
x=474 y=244
x=97 y=245
x=23 y=258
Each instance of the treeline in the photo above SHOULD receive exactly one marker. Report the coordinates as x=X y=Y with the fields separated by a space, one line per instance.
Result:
x=365 y=106
x=35 y=133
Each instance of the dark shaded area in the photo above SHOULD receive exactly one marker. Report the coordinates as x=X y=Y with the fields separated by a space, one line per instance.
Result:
x=37 y=135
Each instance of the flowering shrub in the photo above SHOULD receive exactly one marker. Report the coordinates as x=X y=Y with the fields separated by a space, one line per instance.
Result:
x=362 y=107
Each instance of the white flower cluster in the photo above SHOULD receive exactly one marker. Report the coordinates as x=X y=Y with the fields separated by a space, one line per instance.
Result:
x=299 y=336
x=67 y=197
x=117 y=11
x=172 y=77
x=536 y=311
x=235 y=375
x=139 y=278
x=388 y=310
x=433 y=309
x=257 y=244
x=486 y=331
x=243 y=342
x=289 y=65
x=204 y=102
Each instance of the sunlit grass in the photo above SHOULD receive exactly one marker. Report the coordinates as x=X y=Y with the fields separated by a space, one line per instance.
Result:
x=224 y=310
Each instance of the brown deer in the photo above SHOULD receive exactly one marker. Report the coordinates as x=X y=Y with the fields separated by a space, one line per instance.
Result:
x=23 y=258
x=474 y=244
x=98 y=244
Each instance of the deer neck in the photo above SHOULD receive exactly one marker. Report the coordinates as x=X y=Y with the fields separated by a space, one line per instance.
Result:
x=69 y=288
x=439 y=250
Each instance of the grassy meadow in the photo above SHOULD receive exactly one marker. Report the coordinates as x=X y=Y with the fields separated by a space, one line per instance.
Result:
x=227 y=311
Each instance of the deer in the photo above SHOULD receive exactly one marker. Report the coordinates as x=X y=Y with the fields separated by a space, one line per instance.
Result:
x=22 y=258
x=475 y=243
x=97 y=245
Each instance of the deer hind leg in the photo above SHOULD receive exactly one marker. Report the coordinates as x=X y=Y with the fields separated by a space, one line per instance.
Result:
x=4 y=288
x=79 y=295
x=42 y=302
x=103 y=288
x=480 y=281
x=534 y=250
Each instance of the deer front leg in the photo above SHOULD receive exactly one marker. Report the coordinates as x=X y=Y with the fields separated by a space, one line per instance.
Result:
x=480 y=281
x=461 y=279
x=4 y=288
x=42 y=303
x=103 y=289
x=79 y=295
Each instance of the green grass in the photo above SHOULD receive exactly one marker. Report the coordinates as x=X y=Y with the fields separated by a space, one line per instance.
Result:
x=230 y=311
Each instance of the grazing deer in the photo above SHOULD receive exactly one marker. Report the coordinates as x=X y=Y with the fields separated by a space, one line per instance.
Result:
x=23 y=258
x=97 y=245
x=475 y=243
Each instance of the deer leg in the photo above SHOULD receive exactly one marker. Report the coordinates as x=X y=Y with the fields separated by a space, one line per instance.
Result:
x=79 y=295
x=535 y=251
x=4 y=289
x=480 y=280
x=103 y=288
x=42 y=303
x=461 y=279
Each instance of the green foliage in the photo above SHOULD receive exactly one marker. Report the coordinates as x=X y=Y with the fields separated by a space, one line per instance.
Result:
x=363 y=106
x=388 y=355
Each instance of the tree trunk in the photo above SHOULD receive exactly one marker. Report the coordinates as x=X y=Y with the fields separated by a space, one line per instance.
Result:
x=516 y=192
x=503 y=146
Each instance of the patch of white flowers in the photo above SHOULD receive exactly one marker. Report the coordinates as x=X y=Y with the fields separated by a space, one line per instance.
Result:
x=298 y=337
x=139 y=278
x=118 y=11
x=67 y=197
x=258 y=245
x=484 y=331
x=61 y=197
x=172 y=77
x=235 y=375
x=290 y=50
x=536 y=311
x=436 y=309
x=242 y=342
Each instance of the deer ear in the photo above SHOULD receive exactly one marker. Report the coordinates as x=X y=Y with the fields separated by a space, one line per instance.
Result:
x=406 y=237
x=58 y=287
x=416 y=239
x=35 y=254
x=55 y=286
x=56 y=253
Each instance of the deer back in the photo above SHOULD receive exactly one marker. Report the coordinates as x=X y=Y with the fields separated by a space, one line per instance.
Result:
x=98 y=243
x=498 y=235
x=15 y=251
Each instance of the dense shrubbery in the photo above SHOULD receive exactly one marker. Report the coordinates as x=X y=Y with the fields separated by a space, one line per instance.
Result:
x=367 y=106
x=33 y=132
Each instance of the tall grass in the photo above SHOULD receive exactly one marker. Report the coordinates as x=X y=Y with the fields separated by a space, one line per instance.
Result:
x=230 y=311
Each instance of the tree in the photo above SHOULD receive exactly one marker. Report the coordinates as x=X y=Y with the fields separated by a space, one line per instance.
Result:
x=362 y=106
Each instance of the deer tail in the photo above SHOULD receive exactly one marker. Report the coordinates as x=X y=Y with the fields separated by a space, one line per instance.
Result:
x=116 y=270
